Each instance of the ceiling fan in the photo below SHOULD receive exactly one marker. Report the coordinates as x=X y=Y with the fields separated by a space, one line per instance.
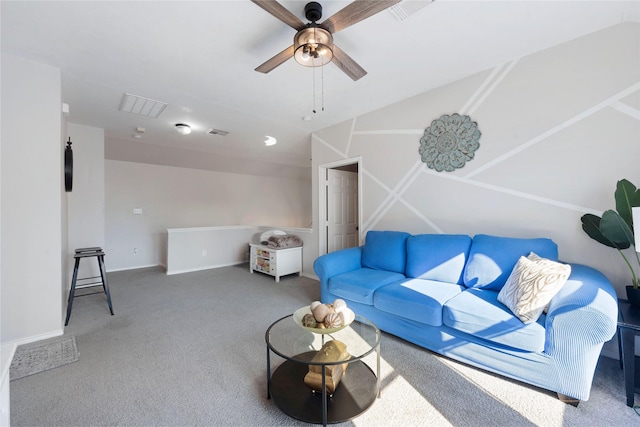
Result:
x=313 y=43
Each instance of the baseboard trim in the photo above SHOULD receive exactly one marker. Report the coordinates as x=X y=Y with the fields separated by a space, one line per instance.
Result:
x=34 y=338
x=208 y=267
x=310 y=276
x=7 y=352
x=111 y=270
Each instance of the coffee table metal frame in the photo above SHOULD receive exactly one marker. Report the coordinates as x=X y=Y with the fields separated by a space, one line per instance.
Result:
x=287 y=381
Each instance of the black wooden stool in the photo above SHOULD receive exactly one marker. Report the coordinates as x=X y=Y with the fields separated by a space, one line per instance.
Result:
x=86 y=253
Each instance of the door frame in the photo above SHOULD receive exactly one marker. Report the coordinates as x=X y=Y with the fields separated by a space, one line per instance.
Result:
x=322 y=199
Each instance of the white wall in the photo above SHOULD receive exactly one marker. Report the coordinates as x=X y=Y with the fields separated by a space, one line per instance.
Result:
x=85 y=203
x=65 y=275
x=173 y=197
x=31 y=179
x=559 y=128
x=202 y=248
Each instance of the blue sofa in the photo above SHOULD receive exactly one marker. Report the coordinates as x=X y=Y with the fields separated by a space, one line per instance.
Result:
x=441 y=292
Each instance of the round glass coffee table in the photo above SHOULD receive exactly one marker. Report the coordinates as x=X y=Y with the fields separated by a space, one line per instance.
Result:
x=357 y=388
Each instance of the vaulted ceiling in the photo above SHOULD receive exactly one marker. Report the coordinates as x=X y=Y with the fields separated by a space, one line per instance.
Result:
x=199 y=58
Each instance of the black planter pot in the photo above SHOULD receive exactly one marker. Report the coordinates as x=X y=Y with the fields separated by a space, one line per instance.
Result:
x=633 y=296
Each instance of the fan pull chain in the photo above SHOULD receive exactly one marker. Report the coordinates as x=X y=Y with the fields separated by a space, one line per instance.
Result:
x=314 y=90
x=322 y=89
x=322 y=83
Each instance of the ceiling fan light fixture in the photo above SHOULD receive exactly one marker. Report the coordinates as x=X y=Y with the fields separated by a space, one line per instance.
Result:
x=305 y=53
x=313 y=46
x=183 y=129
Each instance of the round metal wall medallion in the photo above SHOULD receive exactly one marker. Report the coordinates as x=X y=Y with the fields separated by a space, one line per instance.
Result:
x=449 y=142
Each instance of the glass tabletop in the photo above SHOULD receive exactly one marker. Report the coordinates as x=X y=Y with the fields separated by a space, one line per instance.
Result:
x=288 y=339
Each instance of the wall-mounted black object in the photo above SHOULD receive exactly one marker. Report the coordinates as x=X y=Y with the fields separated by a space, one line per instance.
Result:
x=68 y=167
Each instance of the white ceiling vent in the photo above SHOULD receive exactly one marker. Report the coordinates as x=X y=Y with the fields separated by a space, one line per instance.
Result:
x=216 y=132
x=140 y=105
x=402 y=11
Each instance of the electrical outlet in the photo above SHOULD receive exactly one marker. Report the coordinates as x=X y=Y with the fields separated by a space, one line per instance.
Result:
x=135 y=251
x=137 y=211
x=204 y=252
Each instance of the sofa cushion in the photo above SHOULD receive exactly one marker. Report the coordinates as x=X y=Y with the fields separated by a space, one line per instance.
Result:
x=440 y=257
x=492 y=258
x=477 y=312
x=416 y=299
x=531 y=285
x=359 y=285
x=385 y=250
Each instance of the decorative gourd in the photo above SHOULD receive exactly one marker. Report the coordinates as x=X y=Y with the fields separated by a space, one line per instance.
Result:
x=339 y=305
x=334 y=320
x=309 y=321
x=326 y=315
x=321 y=311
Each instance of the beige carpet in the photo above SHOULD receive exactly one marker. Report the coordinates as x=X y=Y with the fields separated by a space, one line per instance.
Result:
x=190 y=350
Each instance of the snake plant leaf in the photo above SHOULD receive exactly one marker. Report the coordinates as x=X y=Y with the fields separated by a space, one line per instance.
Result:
x=627 y=196
x=591 y=226
x=614 y=228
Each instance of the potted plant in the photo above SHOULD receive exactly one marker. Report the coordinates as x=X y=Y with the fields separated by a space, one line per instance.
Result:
x=615 y=229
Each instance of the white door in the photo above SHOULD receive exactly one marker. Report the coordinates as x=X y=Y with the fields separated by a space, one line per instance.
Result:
x=342 y=209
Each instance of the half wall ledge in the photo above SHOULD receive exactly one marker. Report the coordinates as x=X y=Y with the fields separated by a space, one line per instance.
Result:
x=203 y=248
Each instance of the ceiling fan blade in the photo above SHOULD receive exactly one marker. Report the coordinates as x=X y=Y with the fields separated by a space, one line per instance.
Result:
x=278 y=59
x=279 y=11
x=347 y=64
x=355 y=12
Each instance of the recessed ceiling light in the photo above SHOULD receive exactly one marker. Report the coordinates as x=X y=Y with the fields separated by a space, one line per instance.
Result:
x=183 y=129
x=270 y=141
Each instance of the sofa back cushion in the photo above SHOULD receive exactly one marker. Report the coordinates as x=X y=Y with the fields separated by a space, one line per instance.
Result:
x=440 y=257
x=385 y=250
x=492 y=258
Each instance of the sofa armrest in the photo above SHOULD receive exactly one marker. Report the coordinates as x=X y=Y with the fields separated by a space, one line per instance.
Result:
x=588 y=302
x=334 y=263
x=581 y=318
x=329 y=265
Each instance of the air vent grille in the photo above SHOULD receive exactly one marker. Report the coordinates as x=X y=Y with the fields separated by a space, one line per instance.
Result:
x=216 y=132
x=398 y=12
x=402 y=11
x=140 y=105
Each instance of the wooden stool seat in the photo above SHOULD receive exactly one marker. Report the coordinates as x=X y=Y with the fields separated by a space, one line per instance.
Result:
x=88 y=250
x=87 y=253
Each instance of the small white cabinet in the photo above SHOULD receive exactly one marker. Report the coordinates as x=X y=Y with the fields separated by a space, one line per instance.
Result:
x=275 y=262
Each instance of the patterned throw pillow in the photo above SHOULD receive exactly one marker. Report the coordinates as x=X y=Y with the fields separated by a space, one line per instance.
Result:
x=531 y=285
x=535 y=257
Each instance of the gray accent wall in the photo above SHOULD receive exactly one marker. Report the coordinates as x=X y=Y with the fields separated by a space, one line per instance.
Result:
x=559 y=128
